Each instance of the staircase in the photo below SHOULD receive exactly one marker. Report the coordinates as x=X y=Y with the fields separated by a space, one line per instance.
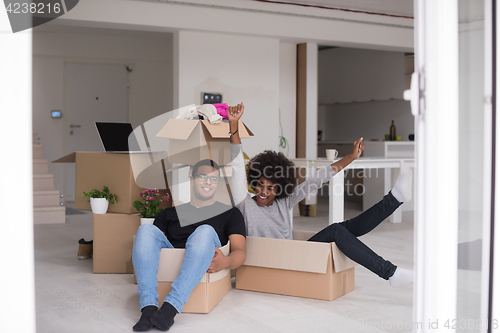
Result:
x=46 y=206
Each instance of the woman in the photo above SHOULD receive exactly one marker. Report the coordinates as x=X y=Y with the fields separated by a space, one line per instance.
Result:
x=267 y=214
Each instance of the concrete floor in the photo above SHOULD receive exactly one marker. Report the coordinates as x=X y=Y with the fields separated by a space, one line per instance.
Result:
x=70 y=298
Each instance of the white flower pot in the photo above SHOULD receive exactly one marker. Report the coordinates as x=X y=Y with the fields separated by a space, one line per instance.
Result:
x=147 y=220
x=99 y=205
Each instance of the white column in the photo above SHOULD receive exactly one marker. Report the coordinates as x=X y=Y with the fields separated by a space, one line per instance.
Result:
x=17 y=285
x=180 y=186
x=312 y=101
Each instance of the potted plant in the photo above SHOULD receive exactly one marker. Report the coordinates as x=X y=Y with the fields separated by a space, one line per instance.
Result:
x=150 y=208
x=99 y=200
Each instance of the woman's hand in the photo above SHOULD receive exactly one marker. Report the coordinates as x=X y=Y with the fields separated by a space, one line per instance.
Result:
x=357 y=148
x=234 y=113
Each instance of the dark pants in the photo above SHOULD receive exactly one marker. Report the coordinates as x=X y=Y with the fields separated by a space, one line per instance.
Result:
x=345 y=235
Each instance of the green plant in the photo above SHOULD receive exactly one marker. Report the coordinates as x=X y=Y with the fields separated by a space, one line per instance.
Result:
x=112 y=198
x=150 y=207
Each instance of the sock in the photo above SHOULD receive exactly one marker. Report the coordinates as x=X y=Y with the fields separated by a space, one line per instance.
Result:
x=401 y=277
x=144 y=324
x=402 y=190
x=163 y=319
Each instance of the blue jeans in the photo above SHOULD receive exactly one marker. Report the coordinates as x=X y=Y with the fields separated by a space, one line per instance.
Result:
x=149 y=240
x=345 y=235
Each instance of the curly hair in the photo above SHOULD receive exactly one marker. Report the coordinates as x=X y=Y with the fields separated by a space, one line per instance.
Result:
x=276 y=168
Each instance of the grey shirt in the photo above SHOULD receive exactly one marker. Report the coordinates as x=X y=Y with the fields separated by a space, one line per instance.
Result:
x=271 y=221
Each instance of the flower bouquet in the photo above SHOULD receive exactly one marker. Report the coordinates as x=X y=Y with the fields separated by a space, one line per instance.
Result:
x=150 y=207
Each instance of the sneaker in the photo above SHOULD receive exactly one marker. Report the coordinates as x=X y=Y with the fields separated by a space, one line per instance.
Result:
x=85 y=249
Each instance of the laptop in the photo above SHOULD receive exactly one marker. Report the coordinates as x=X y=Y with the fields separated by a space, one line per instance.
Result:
x=115 y=137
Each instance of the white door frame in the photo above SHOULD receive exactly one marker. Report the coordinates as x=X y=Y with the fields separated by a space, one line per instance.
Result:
x=490 y=308
x=18 y=286
x=436 y=213
x=436 y=132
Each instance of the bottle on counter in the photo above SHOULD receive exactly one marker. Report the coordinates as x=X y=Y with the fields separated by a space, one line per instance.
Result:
x=392 y=131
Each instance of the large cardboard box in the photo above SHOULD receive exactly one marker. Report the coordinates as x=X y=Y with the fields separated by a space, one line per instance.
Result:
x=96 y=169
x=113 y=242
x=195 y=140
x=206 y=295
x=296 y=268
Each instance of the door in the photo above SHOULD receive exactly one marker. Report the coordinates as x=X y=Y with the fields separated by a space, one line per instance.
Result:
x=92 y=93
x=452 y=104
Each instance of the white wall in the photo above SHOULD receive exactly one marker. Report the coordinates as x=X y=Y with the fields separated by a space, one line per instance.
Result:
x=288 y=96
x=241 y=69
x=150 y=92
x=347 y=75
x=360 y=92
x=17 y=286
x=371 y=120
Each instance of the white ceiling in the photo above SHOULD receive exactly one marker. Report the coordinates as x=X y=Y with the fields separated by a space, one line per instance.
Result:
x=394 y=7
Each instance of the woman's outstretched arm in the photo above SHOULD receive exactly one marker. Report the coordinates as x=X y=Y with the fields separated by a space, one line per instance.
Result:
x=322 y=175
x=239 y=177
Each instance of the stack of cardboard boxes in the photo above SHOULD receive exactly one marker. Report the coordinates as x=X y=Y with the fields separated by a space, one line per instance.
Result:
x=112 y=232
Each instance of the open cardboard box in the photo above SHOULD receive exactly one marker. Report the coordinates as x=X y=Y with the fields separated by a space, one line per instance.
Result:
x=191 y=141
x=113 y=242
x=96 y=169
x=206 y=295
x=194 y=140
x=296 y=268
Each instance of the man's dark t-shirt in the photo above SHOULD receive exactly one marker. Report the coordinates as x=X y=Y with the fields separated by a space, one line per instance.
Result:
x=227 y=223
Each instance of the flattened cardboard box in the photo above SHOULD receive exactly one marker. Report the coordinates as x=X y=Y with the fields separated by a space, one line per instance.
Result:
x=96 y=169
x=194 y=140
x=296 y=268
x=113 y=242
x=206 y=295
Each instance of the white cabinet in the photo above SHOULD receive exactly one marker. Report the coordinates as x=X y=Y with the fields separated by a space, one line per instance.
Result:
x=389 y=149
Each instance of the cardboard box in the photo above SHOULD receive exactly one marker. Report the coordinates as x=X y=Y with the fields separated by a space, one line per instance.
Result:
x=195 y=140
x=96 y=169
x=206 y=295
x=296 y=268
x=113 y=242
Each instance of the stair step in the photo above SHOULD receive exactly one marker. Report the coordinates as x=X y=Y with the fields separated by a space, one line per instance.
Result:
x=37 y=152
x=43 y=182
x=46 y=198
x=49 y=215
x=40 y=166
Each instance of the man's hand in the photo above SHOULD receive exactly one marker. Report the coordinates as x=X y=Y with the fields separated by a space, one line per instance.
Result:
x=234 y=113
x=357 y=148
x=219 y=261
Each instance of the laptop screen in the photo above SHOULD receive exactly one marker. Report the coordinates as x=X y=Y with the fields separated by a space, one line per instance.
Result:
x=114 y=136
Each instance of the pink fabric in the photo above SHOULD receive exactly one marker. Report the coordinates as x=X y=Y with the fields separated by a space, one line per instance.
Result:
x=221 y=109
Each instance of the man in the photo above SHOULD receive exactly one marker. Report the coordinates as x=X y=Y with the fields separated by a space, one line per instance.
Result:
x=201 y=227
